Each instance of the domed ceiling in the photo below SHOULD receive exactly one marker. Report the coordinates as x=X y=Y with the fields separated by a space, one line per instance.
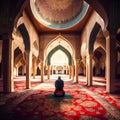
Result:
x=58 y=14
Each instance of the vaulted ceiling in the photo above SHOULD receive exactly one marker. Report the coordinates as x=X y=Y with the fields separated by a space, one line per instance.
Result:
x=60 y=16
x=9 y=9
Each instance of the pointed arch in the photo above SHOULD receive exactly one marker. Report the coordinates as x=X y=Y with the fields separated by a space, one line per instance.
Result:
x=100 y=9
x=99 y=61
x=59 y=40
x=93 y=35
x=25 y=35
x=59 y=47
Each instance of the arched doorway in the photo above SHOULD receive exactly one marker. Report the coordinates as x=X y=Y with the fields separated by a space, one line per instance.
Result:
x=60 y=60
x=99 y=62
x=59 y=55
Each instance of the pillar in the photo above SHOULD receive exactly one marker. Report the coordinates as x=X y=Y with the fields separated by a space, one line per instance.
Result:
x=72 y=76
x=16 y=70
x=7 y=57
x=12 y=67
x=66 y=70
x=89 y=70
x=42 y=71
x=69 y=71
x=34 y=67
x=51 y=70
x=28 y=68
x=48 y=71
x=110 y=63
x=76 y=70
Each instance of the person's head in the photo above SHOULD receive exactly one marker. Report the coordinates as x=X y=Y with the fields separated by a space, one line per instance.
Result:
x=59 y=77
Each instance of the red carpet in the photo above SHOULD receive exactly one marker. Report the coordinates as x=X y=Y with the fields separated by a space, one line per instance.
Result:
x=113 y=99
x=21 y=85
x=81 y=106
x=99 y=87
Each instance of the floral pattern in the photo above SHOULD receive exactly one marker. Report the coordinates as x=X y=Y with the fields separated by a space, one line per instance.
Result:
x=80 y=105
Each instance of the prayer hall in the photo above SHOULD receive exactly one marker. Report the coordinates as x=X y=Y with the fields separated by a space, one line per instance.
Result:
x=77 y=41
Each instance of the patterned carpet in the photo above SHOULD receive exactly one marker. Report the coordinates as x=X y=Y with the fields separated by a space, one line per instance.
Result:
x=82 y=105
x=33 y=104
x=20 y=83
x=99 y=87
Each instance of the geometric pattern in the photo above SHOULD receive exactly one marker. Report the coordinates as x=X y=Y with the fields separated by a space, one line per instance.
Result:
x=81 y=106
x=33 y=104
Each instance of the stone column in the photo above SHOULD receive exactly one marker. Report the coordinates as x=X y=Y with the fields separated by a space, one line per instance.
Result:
x=16 y=74
x=110 y=63
x=89 y=70
x=34 y=67
x=76 y=70
x=66 y=70
x=28 y=68
x=51 y=70
x=72 y=72
x=69 y=71
x=12 y=67
x=48 y=71
x=42 y=71
x=7 y=57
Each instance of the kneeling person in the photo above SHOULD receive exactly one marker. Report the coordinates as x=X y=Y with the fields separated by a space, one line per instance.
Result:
x=59 y=84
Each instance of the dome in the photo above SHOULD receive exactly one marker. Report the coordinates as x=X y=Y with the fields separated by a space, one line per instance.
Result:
x=59 y=14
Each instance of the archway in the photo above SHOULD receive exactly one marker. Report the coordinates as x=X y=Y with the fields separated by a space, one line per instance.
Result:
x=25 y=36
x=18 y=62
x=62 y=49
x=61 y=60
x=27 y=55
x=93 y=35
x=62 y=46
x=99 y=57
